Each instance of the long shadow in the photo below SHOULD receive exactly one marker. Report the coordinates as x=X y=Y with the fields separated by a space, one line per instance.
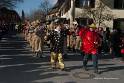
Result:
x=19 y=59
x=13 y=51
x=107 y=69
x=27 y=73
x=74 y=58
x=12 y=45
x=81 y=67
x=17 y=67
x=79 y=57
x=70 y=82
x=48 y=82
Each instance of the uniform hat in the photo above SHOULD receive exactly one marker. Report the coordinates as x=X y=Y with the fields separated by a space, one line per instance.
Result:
x=92 y=25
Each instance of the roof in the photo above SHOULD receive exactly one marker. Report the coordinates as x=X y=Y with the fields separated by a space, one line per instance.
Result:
x=65 y=4
x=57 y=6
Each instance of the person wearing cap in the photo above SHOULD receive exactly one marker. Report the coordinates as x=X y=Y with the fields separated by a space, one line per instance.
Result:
x=90 y=44
x=39 y=39
x=56 y=38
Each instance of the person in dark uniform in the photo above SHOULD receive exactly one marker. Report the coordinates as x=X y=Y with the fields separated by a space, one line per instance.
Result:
x=115 y=43
x=56 y=38
x=122 y=46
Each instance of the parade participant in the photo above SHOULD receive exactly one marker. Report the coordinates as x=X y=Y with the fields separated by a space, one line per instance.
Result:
x=25 y=29
x=115 y=43
x=101 y=35
x=90 y=44
x=106 y=40
x=73 y=36
x=30 y=33
x=68 y=37
x=122 y=47
x=56 y=38
x=39 y=39
x=78 y=39
x=34 y=37
x=50 y=28
x=64 y=30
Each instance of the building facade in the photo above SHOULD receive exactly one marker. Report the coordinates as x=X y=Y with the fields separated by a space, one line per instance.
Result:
x=72 y=10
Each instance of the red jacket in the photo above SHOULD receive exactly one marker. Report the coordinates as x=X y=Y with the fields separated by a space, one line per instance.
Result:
x=90 y=41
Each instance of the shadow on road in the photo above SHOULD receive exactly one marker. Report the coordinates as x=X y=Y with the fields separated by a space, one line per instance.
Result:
x=18 y=65
x=81 y=67
x=114 y=68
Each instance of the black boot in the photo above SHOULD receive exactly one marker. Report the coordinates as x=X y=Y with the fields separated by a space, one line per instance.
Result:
x=69 y=49
x=84 y=66
x=41 y=55
x=96 y=71
x=74 y=50
x=65 y=56
x=37 y=54
x=53 y=66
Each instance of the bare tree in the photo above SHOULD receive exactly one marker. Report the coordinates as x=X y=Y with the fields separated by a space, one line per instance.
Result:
x=9 y=3
x=100 y=14
x=36 y=15
x=41 y=13
x=45 y=7
x=23 y=16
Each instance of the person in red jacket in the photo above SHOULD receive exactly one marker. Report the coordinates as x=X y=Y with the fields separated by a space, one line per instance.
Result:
x=90 y=44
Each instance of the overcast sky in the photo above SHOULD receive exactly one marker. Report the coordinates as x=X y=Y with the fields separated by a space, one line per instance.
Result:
x=29 y=5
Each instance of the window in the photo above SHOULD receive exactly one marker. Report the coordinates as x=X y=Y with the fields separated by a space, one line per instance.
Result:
x=85 y=3
x=119 y=4
x=119 y=23
x=77 y=3
x=84 y=21
x=92 y=3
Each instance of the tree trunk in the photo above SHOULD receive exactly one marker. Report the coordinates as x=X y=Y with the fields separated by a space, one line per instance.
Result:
x=72 y=12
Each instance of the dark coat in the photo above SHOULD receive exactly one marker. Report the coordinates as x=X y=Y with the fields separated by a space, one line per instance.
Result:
x=57 y=41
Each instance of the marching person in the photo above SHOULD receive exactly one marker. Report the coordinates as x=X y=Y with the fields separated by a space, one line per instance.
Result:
x=78 y=39
x=73 y=36
x=30 y=33
x=26 y=28
x=39 y=39
x=115 y=41
x=56 y=38
x=106 y=40
x=64 y=30
x=122 y=46
x=90 y=44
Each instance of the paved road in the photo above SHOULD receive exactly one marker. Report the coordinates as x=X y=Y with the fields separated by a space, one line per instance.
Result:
x=18 y=66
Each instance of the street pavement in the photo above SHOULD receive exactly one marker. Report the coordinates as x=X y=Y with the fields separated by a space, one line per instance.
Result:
x=17 y=65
